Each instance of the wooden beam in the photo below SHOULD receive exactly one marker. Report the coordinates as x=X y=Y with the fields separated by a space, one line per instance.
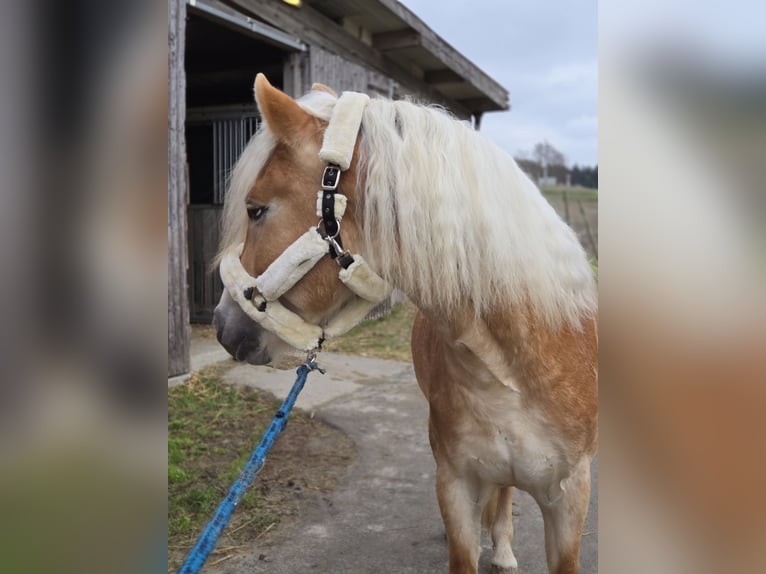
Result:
x=442 y=76
x=178 y=297
x=478 y=105
x=222 y=75
x=396 y=40
x=447 y=54
x=316 y=29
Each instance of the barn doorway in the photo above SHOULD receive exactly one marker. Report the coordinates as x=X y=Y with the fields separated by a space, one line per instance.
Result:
x=224 y=52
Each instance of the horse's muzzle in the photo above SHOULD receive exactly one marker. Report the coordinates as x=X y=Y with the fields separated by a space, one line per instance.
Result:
x=238 y=334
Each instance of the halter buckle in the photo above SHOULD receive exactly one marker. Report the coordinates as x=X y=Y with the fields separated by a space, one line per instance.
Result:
x=331 y=178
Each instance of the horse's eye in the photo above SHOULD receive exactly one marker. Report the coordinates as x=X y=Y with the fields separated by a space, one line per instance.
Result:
x=255 y=212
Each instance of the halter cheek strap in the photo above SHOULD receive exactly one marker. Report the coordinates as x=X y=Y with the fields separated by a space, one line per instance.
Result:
x=337 y=152
x=259 y=296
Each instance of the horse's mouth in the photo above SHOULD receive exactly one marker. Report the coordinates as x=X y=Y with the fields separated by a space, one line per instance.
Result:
x=247 y=353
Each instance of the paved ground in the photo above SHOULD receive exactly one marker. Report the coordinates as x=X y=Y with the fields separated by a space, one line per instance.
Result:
x=384 y=516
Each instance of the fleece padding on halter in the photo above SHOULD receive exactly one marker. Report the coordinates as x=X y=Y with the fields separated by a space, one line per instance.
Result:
x=339 y=207
x=288 y=326
x=291 y=265
x=275 y=318
x=364 y=281
x=340 y=135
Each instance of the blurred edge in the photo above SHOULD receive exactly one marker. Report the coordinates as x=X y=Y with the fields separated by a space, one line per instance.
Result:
x=682 y=159
x=83 y=109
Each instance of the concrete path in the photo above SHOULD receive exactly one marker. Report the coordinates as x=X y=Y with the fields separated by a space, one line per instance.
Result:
x=384 y=516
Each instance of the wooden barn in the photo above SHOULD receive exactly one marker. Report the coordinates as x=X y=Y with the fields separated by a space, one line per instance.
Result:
x=215 y=50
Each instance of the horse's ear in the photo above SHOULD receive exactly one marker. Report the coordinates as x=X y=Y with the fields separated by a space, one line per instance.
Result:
x=317 y=87
x=286 y=119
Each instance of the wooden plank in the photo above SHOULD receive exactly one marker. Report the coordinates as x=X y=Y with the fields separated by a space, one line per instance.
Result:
x=479 y=105
x=396 y=40
x=316 y=29
x=449 y=56
x=179 y=343
x=336 y=72
x=204 y=238
x=442 y=76
x=294 y=73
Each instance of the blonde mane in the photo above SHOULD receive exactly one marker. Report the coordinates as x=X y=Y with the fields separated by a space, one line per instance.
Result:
x=450 y=218
x=447 y=216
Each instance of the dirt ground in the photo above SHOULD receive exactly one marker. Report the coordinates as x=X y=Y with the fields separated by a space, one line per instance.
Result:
x=279 y=490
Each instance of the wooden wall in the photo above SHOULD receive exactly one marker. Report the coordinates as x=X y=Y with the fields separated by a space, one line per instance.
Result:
x=206 y=285
x=178 y=303
x=343 y=75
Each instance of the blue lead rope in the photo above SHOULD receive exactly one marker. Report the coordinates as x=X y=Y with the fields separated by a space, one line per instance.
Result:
x=208 y=540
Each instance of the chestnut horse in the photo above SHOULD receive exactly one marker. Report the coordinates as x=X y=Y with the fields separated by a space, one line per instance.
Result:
x=505 y=342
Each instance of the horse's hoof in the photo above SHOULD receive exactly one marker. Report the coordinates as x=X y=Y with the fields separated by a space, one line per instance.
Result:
x=500 y=570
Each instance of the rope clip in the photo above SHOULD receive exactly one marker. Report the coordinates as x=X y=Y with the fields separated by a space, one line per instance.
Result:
x=311 y=362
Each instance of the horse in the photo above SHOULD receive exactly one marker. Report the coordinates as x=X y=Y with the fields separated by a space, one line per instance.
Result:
x=505 y=340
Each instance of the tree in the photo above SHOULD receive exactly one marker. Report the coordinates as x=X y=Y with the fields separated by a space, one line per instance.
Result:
x=585 y=176
x=547 y=155
x=530 y=167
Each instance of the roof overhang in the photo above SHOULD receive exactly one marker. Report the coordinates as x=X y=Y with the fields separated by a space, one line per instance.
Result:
x=404 y=38
x=385 y=35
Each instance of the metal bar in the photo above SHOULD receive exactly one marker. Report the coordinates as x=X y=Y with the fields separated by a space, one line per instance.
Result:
x=222 y=151
x=229 y=149
x=219 y=159
x=258 y=29
x=215 y=164
x=212 y=113
x=230 y=138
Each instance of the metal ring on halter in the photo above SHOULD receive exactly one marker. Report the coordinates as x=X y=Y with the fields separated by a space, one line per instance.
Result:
x=332 y=241
x=328 y=237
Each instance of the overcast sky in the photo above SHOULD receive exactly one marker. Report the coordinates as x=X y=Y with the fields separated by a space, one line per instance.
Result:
x=544 y=52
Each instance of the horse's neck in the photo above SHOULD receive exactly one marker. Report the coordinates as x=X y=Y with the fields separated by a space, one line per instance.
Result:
x=470 y=335
x=513 y=345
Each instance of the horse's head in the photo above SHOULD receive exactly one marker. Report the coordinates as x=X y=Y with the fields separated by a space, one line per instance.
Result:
x=276 y=205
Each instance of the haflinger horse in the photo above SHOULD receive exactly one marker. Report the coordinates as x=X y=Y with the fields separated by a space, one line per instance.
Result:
x=505 y=341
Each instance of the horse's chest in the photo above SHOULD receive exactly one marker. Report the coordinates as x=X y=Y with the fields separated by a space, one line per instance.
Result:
x=503 y=441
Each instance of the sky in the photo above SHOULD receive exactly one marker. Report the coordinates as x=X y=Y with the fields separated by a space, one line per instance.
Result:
x=545 y=53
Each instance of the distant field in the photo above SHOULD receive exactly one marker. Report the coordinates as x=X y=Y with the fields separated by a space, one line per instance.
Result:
x=578 y=206
x=573 y=192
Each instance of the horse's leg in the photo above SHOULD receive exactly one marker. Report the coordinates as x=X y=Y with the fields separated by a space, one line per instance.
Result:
x=503 y=560
x=564 y=519
x=461 y=503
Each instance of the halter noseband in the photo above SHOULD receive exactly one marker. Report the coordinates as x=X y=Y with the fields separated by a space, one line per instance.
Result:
x=259 y=296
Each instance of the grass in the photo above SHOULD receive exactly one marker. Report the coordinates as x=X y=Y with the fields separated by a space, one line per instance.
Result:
x=212 y=430
x=206 y=451
x=572 y=192
x=384 y=338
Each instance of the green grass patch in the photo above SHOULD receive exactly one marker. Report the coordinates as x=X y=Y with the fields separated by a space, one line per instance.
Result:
x=384 y=338
x=213 y=428
x=571 y=192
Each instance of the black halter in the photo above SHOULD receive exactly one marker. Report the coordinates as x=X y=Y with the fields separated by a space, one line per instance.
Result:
x=330 y=182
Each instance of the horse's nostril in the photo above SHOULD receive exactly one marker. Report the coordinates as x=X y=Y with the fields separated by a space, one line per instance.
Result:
x=237 y=333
